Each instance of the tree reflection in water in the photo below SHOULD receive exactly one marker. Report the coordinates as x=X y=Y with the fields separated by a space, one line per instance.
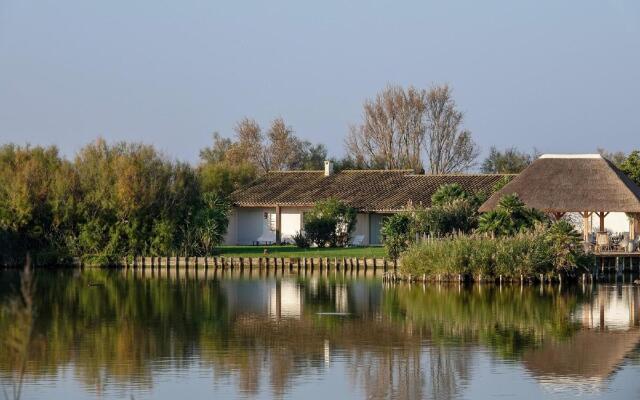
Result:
x=116 y=329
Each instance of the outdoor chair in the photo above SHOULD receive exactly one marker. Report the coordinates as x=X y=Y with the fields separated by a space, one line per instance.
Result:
x=264 y=240
x=603 y=242
x=624 y=243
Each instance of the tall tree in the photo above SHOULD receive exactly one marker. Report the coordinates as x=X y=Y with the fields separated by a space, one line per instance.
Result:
x=631 y=166
x=401 y=126
x=248 y=145
x=450 y=146
x=38 y=199
x=392 y=132
x=228 y=165
x=283 y=150
x=277 y=149
x=509 y=161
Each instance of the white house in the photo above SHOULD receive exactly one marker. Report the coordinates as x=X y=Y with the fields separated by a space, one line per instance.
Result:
x=271 y=209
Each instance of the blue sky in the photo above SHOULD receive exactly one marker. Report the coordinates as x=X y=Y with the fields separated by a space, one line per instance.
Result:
x=561 y=76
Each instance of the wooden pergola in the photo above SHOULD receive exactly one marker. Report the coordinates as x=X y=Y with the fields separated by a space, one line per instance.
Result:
x=586 y=222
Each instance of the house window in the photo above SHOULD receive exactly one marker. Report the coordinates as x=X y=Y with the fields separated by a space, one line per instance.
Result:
x=270 y=221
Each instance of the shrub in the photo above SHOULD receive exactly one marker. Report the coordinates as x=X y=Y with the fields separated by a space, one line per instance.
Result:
x=396 y=234
x=510 y=217
x=211 y=221
x=458 y=216
x=301 y=240
x=566 y=249
x=319 y=229
x=448 y=193
x=330 y=223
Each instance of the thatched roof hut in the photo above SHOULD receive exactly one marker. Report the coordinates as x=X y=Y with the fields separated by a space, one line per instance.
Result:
x=572 y=183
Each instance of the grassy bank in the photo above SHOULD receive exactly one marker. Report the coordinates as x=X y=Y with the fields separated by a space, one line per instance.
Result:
x=478 y=257
x=293 y=251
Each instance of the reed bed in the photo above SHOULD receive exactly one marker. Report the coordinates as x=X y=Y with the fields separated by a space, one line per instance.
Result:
x=479 y=258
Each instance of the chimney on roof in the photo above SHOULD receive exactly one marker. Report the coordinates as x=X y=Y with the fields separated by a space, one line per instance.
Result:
x=328 y=167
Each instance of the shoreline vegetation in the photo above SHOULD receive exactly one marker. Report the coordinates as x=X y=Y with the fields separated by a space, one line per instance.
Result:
x=526 y=256
x=512 y=242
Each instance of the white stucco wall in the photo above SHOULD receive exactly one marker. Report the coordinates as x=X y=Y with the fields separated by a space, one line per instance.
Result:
x=251 y=226
x=615 y=222
x=291 y=222
x=247 y=225
x=231 y=237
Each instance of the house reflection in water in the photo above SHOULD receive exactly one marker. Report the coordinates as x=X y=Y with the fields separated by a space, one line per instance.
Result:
x=612 y=308
x=588 y=358
x=288 y=298
x=276 y=298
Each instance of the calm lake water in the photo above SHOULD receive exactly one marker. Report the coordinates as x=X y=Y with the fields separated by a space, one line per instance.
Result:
x=115 y=334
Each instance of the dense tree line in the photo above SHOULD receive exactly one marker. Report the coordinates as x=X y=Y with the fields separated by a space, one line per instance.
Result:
x=108 y=202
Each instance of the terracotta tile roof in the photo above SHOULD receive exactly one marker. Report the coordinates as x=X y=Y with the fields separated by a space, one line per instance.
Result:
x=367 y=190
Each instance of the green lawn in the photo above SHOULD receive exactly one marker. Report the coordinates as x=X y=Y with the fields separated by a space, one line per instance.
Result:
x=292 y=251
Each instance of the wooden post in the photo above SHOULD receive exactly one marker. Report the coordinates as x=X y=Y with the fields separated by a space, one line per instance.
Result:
x=632 y=227
x=601 y=215
x=278 y=225
x=586 y=226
